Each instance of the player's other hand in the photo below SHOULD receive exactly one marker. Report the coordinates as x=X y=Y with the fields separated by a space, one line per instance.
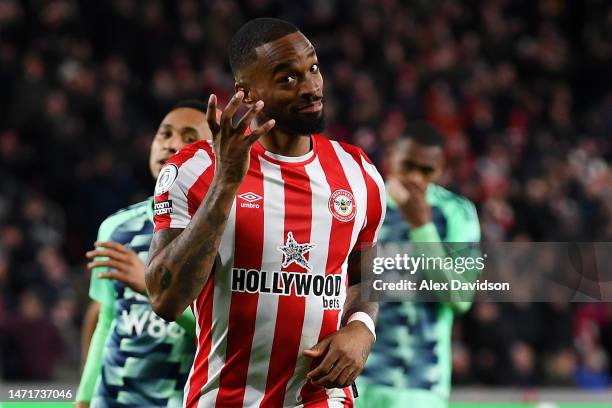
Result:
x=230 y=144
x=411 y=199
x=124 y=265
x=341 y=355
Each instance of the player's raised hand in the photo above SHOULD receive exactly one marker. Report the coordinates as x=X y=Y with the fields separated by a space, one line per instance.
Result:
x=230 y=144
x=412 y=201
x=124 y=265
x=342 y=356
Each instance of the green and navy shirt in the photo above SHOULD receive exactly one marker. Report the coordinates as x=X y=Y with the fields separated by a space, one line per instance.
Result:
x=413 y=345
x=146 y=360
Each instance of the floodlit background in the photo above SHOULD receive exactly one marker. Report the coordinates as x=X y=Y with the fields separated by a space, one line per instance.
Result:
x=521 y=90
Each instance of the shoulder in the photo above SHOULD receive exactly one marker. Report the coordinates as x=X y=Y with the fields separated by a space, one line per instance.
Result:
x=451 y=204
x=356 y=153
x=201 y=149
x=125 y=215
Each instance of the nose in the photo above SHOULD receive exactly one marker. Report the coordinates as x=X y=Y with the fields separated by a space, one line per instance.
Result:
x=310 y=88
x=173 y=143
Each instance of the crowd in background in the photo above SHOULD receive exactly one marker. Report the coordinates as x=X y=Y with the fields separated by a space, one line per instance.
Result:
x=520 y=89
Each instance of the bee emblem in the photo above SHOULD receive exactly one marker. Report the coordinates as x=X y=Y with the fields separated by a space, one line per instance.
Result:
x=342 y=205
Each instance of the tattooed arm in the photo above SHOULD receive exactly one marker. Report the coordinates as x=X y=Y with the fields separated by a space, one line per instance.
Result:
x=180 y=261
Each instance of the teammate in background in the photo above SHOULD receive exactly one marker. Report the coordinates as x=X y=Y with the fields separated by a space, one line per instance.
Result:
x=136 y=358
x=410 y=364
x=264 y=237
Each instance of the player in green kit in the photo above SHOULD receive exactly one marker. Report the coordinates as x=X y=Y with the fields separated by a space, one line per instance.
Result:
x=136 y=359
x=410 y=363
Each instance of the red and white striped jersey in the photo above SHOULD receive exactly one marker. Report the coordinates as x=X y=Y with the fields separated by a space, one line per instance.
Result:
x=279 y=282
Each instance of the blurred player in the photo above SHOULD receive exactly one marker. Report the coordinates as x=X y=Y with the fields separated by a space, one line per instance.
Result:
x=265 y=235
x=135 y=357
x=410 y=364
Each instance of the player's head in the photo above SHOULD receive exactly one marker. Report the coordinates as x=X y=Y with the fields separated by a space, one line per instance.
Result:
x=184 y=124
x=273 y=61
x=418 y=156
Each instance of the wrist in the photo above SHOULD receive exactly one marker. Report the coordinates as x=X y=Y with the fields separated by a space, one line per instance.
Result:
x=363 y=319
x=225 y=184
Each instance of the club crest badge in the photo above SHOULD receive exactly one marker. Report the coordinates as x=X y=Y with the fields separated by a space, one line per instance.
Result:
x=342 y=205
x=165 y=179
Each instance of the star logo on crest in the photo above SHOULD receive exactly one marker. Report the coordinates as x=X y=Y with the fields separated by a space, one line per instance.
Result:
x=294 y=252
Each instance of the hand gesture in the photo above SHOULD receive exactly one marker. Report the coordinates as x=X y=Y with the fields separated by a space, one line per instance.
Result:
x=343 y=355
x=230 y=145
x=124 y=265
x=411 y=199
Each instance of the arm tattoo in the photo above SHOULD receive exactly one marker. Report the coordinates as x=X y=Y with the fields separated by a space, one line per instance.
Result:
x=180 y=261
x=166 y=278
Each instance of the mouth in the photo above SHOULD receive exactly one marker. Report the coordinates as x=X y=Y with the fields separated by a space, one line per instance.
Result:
x=315 y=106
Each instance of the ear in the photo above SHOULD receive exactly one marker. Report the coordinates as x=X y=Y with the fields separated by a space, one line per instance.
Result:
x=248 y=94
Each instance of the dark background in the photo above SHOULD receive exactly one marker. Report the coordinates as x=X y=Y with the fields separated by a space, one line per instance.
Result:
x=520 y=89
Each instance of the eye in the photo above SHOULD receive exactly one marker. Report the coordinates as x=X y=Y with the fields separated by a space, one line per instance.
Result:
x=314 y=68
x=165 y=134
x=287 y=79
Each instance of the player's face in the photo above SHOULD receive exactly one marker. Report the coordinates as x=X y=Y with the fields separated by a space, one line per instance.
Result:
x=411 y=162
x=286 y=77
x=180 y=127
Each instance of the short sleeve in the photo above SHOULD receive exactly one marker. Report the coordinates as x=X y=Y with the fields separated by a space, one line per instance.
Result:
x=181 y=186
x=376 y=205
x=102 y=290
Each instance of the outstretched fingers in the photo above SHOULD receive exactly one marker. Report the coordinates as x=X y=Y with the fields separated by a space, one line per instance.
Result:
x=231 y=108
x=260 y=131
x=211 y=115
x=248 y=117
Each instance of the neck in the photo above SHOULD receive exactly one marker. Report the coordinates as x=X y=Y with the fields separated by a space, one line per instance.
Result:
x=279 y=142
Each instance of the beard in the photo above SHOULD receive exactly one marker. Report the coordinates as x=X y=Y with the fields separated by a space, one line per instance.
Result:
x=296 y=123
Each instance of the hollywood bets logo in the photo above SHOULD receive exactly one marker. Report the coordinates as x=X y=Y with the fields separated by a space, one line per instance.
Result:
x=287 y=283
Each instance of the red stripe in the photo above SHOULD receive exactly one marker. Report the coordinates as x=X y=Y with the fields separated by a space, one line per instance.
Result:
x=290 y=310
x=249 y=238
x=199 y=377
x=163 y=221
x=366 y=237
x=339 y=246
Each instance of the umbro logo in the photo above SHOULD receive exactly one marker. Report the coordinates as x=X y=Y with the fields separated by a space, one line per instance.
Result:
x=250 y=199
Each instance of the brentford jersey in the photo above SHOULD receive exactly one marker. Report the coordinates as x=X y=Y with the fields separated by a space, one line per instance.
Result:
x=279 y=281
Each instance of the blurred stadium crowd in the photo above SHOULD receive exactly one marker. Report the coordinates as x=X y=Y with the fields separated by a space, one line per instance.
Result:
x=520 y=89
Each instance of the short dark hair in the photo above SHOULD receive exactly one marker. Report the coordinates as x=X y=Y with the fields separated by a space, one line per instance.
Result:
x=191 y=103
x=253 y=34
x=424 y=134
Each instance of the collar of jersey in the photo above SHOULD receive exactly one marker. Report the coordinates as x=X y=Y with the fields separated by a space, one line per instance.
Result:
x=288 y=160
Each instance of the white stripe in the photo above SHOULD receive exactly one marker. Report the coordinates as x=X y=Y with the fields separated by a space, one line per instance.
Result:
x=375 y=175
x=188 y=174
x=313 y=316
x=221 y=308
x=267 y=304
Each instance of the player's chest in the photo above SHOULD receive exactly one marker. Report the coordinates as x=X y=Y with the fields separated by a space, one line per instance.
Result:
x=274 y=201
